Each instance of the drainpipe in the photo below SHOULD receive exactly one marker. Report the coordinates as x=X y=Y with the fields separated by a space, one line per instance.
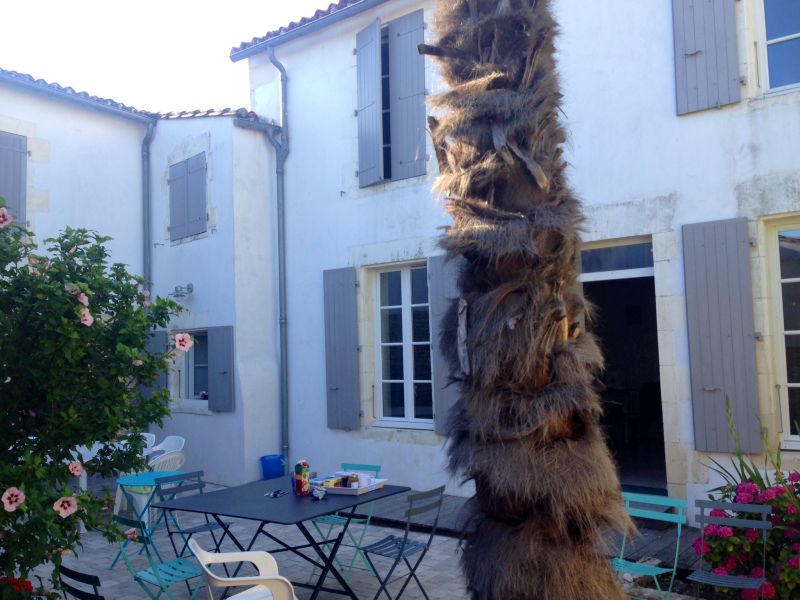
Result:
x=278 y=136
x=147 y=247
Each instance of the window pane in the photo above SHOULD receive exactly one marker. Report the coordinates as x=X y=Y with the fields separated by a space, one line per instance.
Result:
x=423 y=401
x=794 y=410
x=390 y=289
x=789 y=245
x=200 y=381
x=636 y=256
x=791 y=306
x=391 y=325
x=419 y=286
x=783 y=17
x=393 y=400
x=420 y=324
x=793 y=358
x=422 y=362
x=392 y=362
x=784 y=63
x=200 y=349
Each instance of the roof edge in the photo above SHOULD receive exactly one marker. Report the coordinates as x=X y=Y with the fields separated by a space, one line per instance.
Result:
x=309 y=27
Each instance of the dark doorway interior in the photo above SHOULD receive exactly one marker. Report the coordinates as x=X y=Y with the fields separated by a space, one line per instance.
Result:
x=625 y=323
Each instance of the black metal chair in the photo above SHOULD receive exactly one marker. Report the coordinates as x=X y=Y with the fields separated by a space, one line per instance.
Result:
x=67 y=577
x=168 y=488
x=401 y=547
x=703 y=575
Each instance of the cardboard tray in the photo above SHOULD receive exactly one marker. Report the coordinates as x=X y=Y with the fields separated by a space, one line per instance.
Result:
x=378 y=484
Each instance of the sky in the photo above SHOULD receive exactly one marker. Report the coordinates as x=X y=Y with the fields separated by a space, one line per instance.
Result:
x=160 y=56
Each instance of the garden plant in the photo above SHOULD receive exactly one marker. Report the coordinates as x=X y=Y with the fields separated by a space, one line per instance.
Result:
x=74 y=370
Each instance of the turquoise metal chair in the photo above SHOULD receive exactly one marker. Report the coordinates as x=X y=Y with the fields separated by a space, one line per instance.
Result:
x=326 y=524
x=647 y=506
x=159 y=574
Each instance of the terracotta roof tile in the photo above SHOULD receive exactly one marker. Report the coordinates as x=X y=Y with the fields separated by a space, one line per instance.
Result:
x=319 y=14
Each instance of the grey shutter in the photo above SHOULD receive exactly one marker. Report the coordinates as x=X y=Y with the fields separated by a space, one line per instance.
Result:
x=442 y=289
x=196 y=195
x=341 y=348
x=719 y=309
x=370 y=131
x=220 y=369
x=13 y=173
x=157 y=344
x=407 y=92
x=178 y=200
x=706 y=56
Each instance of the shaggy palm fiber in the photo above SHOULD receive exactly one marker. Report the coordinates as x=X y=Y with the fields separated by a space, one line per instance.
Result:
x=526 y=429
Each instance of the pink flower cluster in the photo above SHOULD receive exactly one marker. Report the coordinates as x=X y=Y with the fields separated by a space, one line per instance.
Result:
x=746 y=492
x=766 y=591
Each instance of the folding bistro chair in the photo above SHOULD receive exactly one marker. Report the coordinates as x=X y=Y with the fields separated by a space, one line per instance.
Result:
x=646 y=506
x=397 y=547
x=159 y=573
x=68 y=578
x=356 y=536
x=169 y=488
x=267 y=585
x=750 y=516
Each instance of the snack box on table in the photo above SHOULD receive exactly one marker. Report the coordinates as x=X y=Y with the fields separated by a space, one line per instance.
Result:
x=347 y=491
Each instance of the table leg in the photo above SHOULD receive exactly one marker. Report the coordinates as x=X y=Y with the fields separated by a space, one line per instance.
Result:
x=329 y=559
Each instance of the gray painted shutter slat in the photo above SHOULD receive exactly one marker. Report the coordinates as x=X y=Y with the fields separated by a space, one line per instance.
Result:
x=156 y=344
x=370 y=130
x=13 y=174
x=341 y=349
x=220 y=369
x=719 y=308
x=178 y=200
x=196 y=195
x=442 y=289
x=407 y=91
x=706 y=55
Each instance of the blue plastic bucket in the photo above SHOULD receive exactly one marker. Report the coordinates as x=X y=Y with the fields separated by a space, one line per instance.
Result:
x=271 y=466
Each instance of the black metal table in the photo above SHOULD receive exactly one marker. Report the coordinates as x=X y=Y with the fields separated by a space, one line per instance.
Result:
x=250 y=501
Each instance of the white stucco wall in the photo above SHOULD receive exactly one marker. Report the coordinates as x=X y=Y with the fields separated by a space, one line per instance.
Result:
x=84 y=169
x=640 y=169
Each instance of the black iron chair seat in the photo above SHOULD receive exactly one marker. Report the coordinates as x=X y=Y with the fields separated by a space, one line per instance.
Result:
x=726 y=581
x=393 y=546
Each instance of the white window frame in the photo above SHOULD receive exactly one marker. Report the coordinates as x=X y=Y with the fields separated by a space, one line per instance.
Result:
x=764 y=66
x=408 y=355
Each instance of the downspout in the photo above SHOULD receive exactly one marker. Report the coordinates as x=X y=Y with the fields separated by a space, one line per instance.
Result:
x=147 y=247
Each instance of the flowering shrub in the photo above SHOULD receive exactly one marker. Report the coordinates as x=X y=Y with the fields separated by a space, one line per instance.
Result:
x=73 y=372
x=738 y=551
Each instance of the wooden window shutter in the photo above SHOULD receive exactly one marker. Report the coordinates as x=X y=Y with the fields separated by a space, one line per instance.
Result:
x=13 y=174
x=719 y=307
x=220 y=369
x=407 y=92
x=178 y=200
x=370 y=131
x=442 y=289
x=196 y=195
x=706 y=55
x=157 y=344
x=341 y=349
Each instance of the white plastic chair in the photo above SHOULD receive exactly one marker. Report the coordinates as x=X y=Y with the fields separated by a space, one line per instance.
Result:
x=171 y=443
x=171 y=461
x=149 y=442
x=267 y=585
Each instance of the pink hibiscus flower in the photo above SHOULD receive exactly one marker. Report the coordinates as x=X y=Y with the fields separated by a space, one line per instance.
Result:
x=5 y=217
x=75 y=468
x=86 y=317
x=137 y=362
x=12 y=498
x=65 y=506
x=183 y=342
x=145 y=298
x=83 y=299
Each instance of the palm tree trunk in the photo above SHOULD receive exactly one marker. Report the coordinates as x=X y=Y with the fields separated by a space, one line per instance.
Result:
x=526 y=429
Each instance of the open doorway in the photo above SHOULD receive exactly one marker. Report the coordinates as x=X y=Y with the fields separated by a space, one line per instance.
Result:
x=625 y=323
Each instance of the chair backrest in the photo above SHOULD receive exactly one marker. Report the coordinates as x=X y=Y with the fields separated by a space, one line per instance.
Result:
x=374 y=470
x=171 y=443
x=168 y=488
x=280 y=587
x=67 y=578
x=149 y=440
x=762 y=524
x=171 y=461
x=651 y=507
x=425 y=503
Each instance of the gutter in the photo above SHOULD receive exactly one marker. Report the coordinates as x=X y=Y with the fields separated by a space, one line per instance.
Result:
x=86 y=102
x=278 y=136
x=147 y=247
x=310 y=27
